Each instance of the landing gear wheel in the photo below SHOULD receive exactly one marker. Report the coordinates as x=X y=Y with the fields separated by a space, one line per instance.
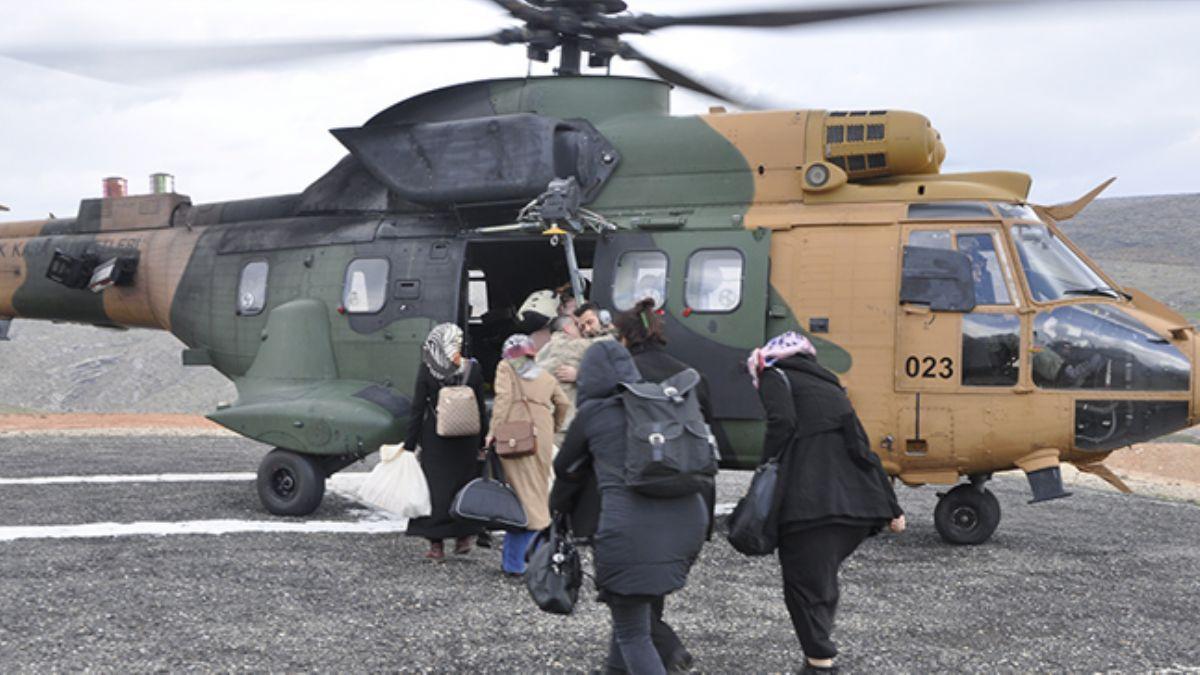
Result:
x=967 y=515
x=289 y=483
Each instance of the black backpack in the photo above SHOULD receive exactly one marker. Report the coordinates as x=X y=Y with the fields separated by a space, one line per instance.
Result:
x=670 y=450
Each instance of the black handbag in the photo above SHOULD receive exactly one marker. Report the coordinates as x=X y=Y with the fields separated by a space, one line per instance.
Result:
x=753 y=525
x=490 y=500
x=554 y=573
x=753 y=529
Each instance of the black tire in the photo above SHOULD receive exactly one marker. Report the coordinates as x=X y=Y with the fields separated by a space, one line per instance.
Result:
x=289 y=483
x=967 y=515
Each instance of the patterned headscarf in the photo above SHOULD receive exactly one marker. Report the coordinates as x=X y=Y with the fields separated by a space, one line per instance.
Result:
x=445 y=342
x=780 y=347
x=519 y=351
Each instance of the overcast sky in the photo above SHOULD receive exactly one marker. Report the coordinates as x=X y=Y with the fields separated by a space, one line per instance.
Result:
x=1072 y=93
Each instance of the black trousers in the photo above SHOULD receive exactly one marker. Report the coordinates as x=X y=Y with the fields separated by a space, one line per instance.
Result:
x=810 y=560
x=666 y=643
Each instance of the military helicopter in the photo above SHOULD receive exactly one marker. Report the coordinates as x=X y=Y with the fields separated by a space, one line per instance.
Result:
x=971 y=334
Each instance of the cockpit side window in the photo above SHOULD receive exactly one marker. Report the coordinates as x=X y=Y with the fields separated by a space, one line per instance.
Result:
x=986 y=268
x=931 y=239
x=989 y=272
x=1052 y=269
x=1101 y=347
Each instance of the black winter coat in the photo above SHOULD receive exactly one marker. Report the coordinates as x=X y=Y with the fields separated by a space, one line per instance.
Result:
x=828 y=472
x=643 y=546
x=581 y=498
x=448 y=463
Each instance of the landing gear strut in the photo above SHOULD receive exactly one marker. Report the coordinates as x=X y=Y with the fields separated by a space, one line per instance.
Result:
x=968 y=514
x=290 y=484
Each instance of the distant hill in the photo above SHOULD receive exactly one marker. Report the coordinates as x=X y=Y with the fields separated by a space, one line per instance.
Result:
x=1151 y=243
x=1147 y=242
x=49 y=367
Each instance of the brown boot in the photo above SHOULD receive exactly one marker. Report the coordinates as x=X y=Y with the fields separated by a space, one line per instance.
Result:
x=436 y=551
x=463 y=545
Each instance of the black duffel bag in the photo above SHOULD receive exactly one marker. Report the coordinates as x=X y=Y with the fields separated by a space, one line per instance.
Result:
x=490 y=500
x=554 y=573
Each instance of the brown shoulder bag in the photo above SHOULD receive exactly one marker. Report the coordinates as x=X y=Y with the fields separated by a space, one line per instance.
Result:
x=517 y=439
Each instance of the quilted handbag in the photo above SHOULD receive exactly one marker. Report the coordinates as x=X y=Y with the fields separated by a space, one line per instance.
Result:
x=753 y=525
x=517 y=439
x=753 y=529
x=457 y=409
x=555 y=572
x=489 y=500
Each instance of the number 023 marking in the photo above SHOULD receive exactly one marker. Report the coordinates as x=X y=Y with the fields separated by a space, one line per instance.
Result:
x=929 y=367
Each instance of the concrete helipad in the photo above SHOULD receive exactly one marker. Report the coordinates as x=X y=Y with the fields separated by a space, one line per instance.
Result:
x=151 y=553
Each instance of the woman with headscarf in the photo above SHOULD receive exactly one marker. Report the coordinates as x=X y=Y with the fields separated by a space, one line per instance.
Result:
x=527 y=393
x=644 y=546
x=834 y=491
x=448 y=463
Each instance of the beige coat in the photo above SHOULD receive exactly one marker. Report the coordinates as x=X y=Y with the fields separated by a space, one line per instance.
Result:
x=530 y=476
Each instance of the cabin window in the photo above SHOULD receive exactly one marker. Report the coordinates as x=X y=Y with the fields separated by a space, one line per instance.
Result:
x=252 y=288
x=991 y=350
x=640 y=275
x=366 y=286
x=714 y=280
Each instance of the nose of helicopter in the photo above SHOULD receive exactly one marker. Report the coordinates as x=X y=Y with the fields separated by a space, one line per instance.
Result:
x=1194 y=407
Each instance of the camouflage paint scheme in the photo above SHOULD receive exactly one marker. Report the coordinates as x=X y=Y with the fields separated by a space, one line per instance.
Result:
x=315 y=380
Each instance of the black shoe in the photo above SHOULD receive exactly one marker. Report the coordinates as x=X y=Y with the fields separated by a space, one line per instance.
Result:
x=681 y=662
x=810 y=668
x=484 y=540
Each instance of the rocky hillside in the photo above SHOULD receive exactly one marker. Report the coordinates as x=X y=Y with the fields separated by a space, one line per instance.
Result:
x=51 y=367
x=1147 y=242
x=1151 y=243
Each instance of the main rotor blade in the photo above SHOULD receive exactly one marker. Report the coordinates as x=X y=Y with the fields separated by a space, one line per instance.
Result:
x=798 y=17
x=679 y=78
x=149 y=62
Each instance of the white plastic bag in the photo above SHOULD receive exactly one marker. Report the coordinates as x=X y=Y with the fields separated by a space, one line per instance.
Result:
x=397 y=484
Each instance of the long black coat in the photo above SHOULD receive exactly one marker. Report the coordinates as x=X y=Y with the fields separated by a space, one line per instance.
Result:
x=828 y=472
x=448 y=463
x=643 y=545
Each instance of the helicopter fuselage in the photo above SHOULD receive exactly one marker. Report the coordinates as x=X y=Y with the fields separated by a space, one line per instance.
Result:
x=947 y=305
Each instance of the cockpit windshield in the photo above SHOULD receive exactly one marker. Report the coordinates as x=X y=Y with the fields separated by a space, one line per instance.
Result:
x=1052 y=269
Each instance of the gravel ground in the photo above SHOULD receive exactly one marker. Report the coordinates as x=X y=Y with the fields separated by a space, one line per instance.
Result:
x=1097 y=582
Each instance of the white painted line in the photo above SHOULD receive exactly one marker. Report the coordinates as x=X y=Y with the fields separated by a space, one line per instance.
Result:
x=338 y=481
x=209 y=527
x=724 y=509
x=131 y=478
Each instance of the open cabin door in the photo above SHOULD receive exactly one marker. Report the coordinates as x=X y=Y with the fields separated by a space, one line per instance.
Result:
x=712 y=287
